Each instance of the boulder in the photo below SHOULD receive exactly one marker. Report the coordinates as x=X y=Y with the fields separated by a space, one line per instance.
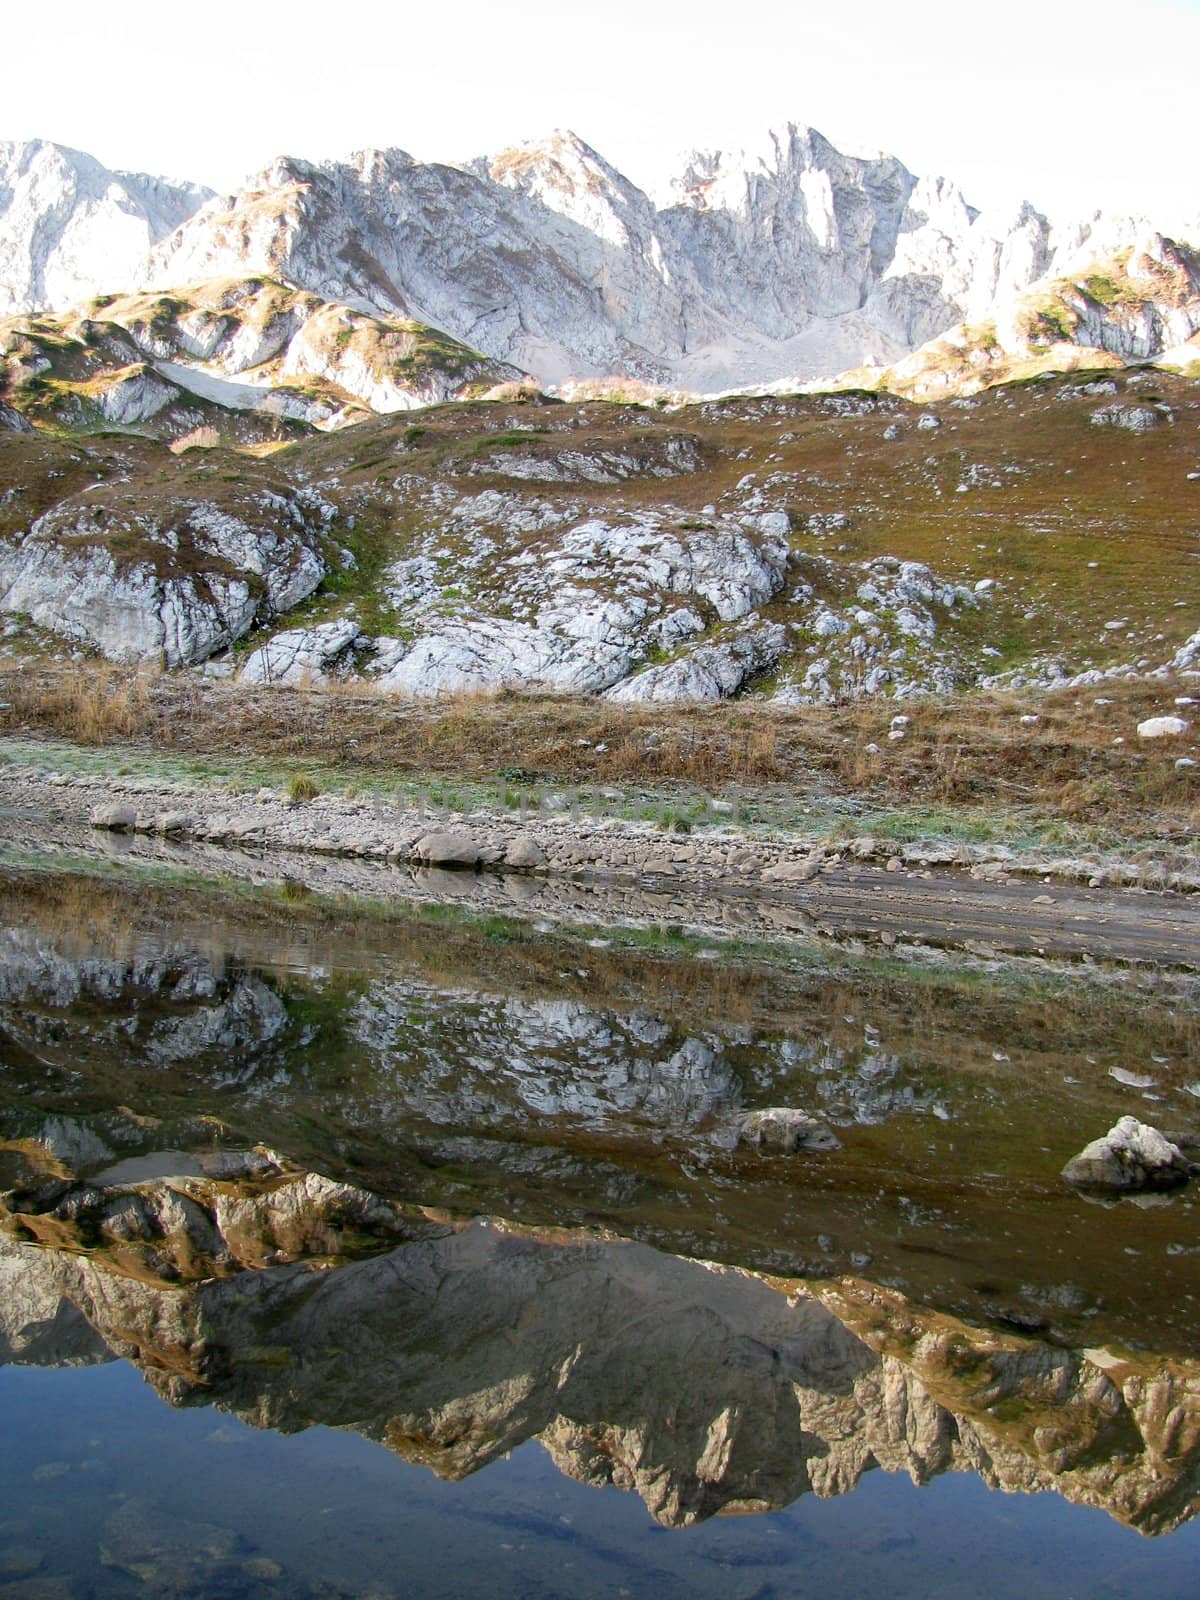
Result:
x=524 y=854
x=114 y=815
x=1162 y=728
x=783 y=1131
x=173 y=823
x=447 y=850
x=793 y=871
x=1135 y=419
x=1131 y=1156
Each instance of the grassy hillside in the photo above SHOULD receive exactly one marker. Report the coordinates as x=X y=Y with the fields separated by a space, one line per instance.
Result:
x=253 y=360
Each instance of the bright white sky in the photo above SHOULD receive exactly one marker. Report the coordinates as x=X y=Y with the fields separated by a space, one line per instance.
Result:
x=1071 y=106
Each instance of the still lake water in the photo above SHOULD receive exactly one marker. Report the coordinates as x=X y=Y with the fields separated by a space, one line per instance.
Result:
x=380 y=1397
x=95 y=1468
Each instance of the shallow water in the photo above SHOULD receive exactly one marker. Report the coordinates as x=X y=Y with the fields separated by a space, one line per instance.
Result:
x=198 y=1504
x=939 y=1305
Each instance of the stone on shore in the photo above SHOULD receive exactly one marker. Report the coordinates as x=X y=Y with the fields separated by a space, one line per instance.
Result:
x=793 y=871
x=447 y=850
x=524 y=854
x=173 y=823
x=114 y=815
x=1131 y=1156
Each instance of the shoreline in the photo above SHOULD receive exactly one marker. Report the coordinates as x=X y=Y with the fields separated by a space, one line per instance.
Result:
x=726 y=881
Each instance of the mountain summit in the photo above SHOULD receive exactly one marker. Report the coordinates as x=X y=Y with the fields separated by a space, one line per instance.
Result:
x=789 y=261
x=70 y=226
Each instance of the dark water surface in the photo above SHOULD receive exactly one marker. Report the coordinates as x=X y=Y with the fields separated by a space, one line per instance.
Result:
x=351 y=1252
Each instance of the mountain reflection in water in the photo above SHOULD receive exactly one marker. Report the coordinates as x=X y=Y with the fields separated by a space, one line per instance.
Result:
x=260 y=1152
x=703 y=1389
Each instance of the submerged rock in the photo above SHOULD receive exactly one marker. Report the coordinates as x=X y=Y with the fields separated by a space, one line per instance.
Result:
x=784 y=1131
x=1132 y=1155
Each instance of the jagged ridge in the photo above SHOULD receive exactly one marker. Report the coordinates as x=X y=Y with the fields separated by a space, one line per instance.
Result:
x=789 y=261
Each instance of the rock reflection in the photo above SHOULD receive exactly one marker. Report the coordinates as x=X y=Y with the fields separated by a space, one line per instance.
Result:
x=291 y=1300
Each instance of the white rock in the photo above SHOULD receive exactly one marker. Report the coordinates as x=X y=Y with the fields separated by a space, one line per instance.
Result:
x=707 y=672
x=1162 y=727
x=300 y=655
x=115 y=816
x=70 y=228
x=785 y=1131
x=143 y=607
x=1131 y=1155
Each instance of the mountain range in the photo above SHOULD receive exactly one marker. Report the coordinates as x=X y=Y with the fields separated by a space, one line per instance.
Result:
x=787 y=263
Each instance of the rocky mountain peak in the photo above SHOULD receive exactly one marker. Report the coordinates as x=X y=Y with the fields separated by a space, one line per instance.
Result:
x=374 y=166
x=783 y=262
x=69 y=225
x=564 y=174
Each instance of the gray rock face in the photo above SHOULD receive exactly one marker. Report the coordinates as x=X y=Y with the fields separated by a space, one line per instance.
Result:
x=70 y=228
x=300 y=655
x=708 y=672
x=184 y=585
x=12 y=421
x=1131 y=1156
x=589 y=602
x=787 y=260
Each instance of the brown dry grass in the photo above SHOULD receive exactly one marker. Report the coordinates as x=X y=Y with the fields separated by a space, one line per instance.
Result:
x=970 y=751
x=92 y=702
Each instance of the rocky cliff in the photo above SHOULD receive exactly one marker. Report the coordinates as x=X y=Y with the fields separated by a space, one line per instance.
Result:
x=70 y=227
x=787 y=261
x=1140 y=304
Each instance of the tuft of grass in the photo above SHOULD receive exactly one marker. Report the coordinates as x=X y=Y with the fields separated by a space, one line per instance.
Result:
x=302 y=788
x=92 y=702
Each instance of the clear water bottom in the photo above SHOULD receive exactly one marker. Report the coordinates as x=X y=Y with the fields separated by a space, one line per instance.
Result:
x=107 y=1491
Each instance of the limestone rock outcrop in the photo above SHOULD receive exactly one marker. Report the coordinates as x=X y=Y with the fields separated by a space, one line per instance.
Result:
x=789 y=260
